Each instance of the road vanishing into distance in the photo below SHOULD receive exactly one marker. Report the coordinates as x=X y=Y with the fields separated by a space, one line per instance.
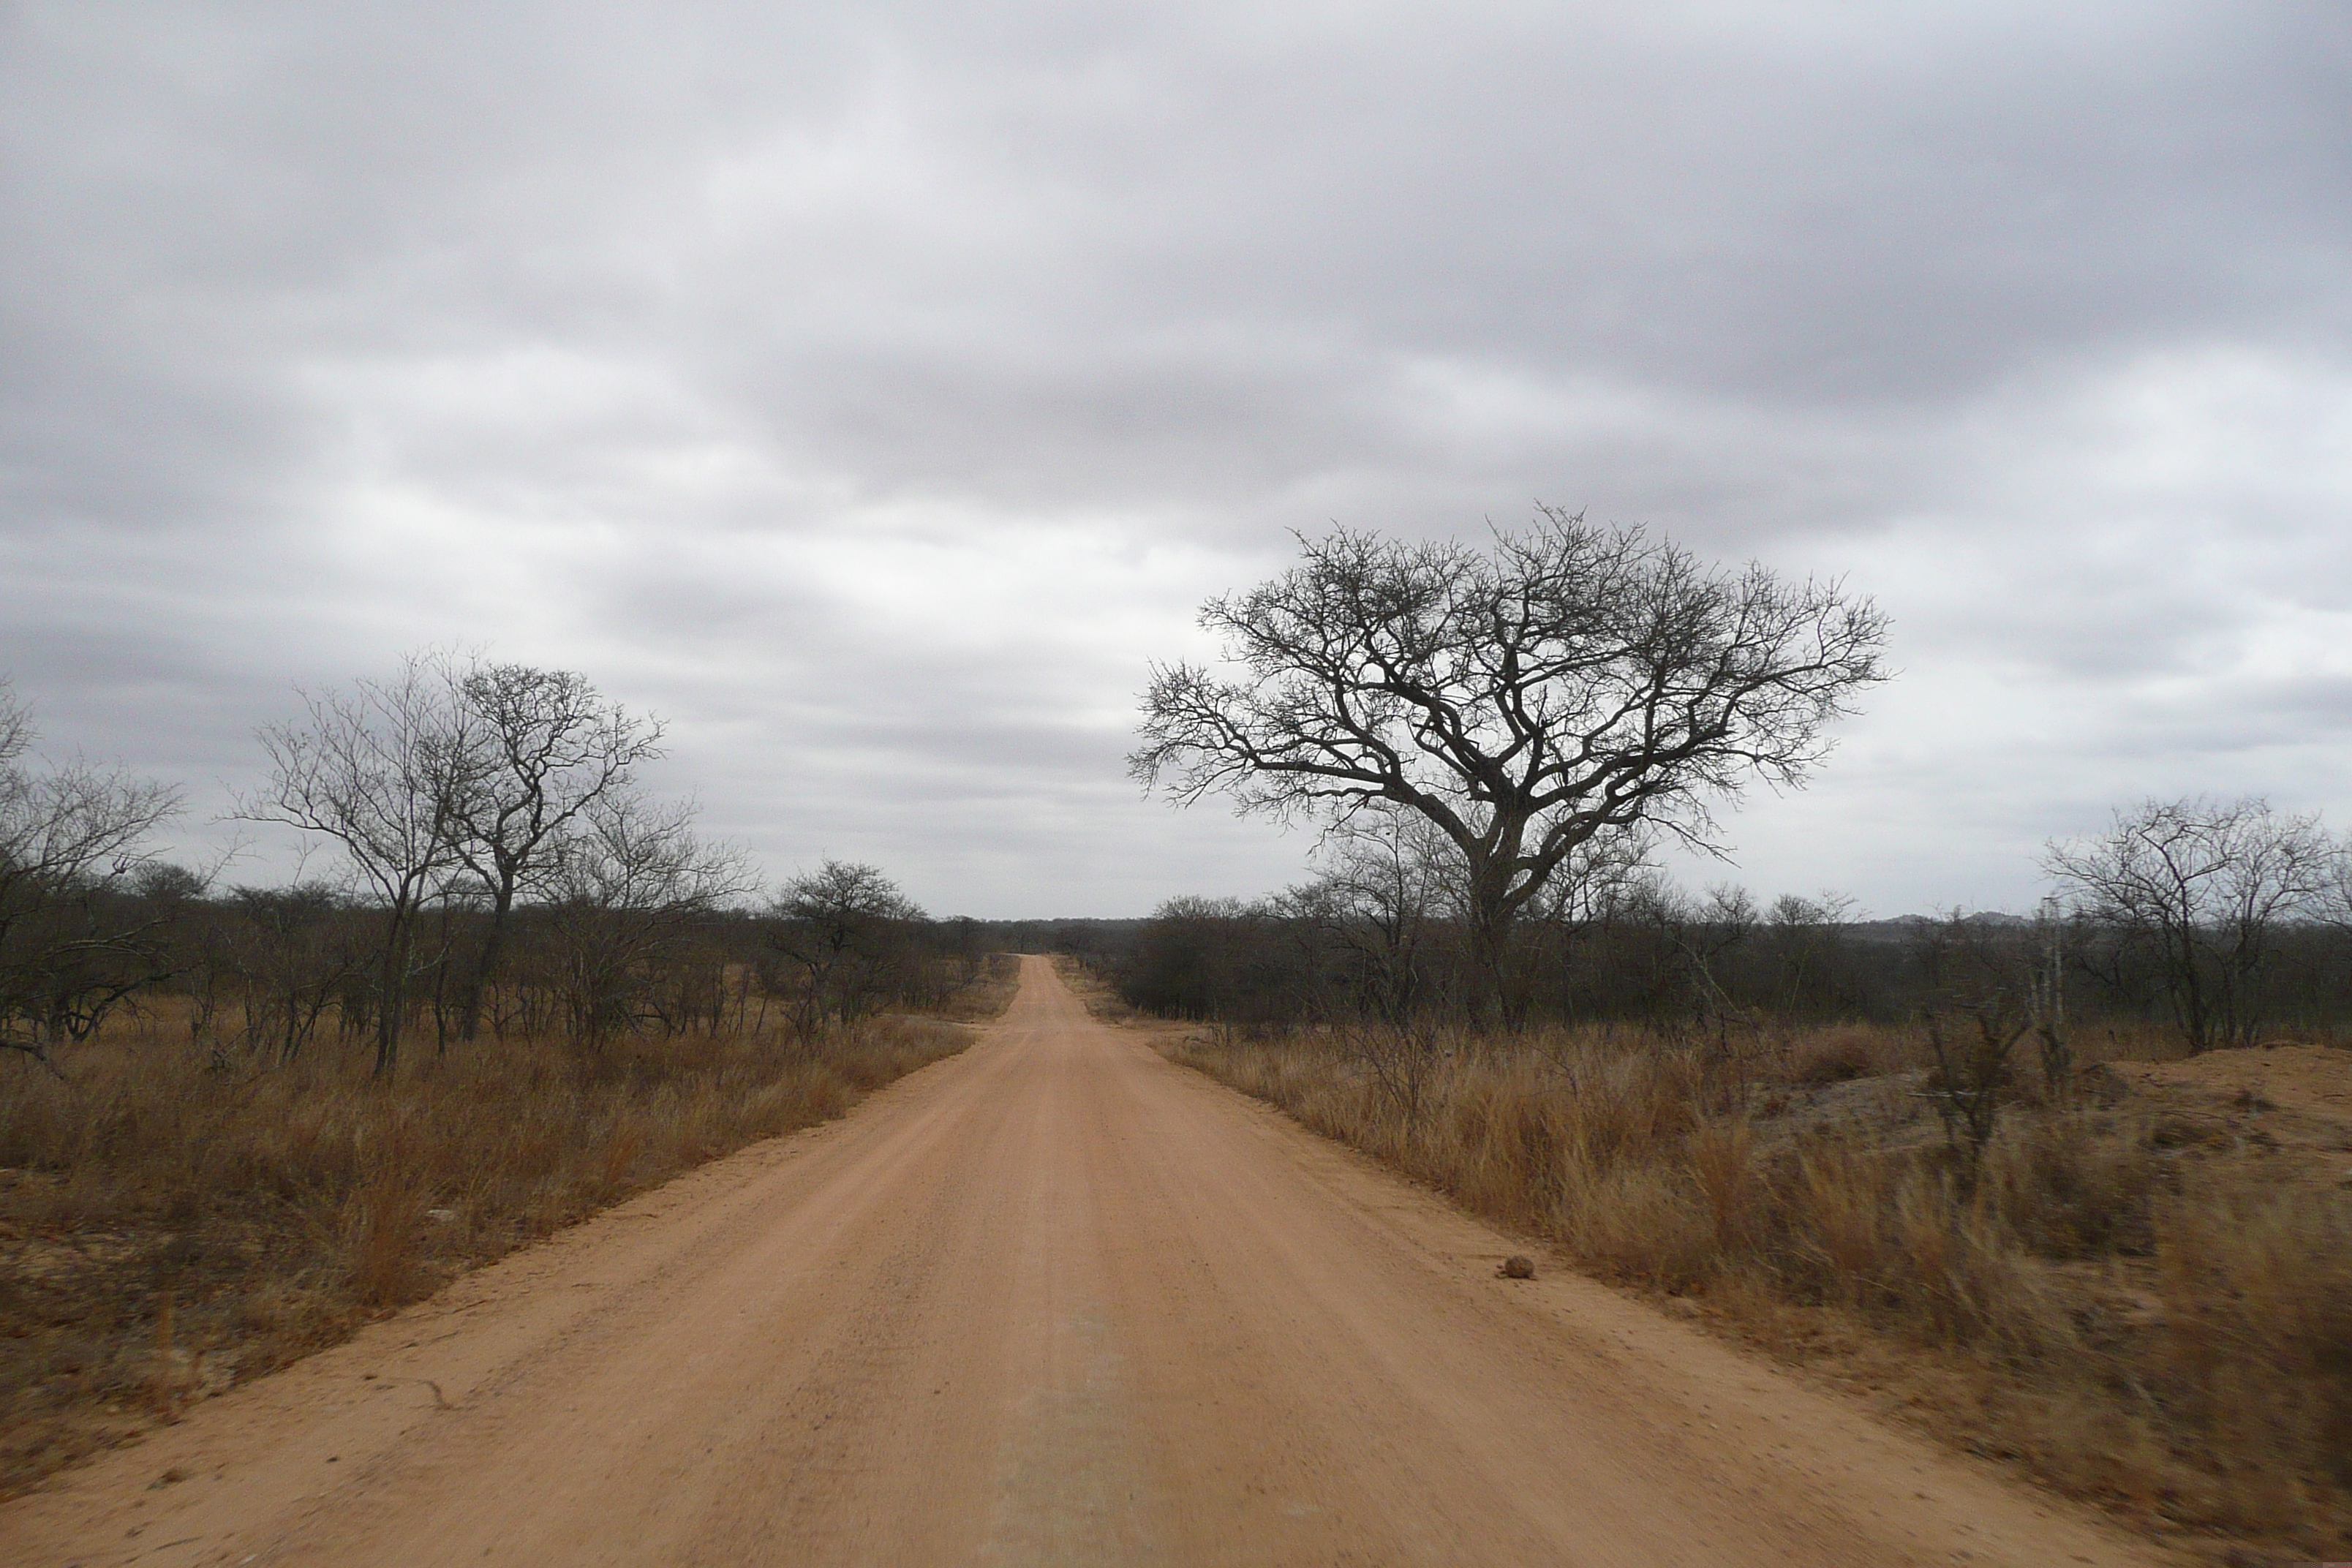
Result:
x=1053 y=1300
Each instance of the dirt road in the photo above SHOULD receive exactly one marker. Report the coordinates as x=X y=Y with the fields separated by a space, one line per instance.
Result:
x=1052 y=1301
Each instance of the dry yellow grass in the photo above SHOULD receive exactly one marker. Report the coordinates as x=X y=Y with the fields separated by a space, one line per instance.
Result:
x=166 y=1229
x=2159 y=1321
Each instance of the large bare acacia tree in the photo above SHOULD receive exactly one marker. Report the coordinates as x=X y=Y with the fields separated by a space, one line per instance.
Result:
x=1568 y=681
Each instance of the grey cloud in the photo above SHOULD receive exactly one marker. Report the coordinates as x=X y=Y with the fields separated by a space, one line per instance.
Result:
x=674 y=344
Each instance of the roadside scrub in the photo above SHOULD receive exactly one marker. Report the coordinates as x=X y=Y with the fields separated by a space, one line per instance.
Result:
x=2143 y=1296
x=168 y=1229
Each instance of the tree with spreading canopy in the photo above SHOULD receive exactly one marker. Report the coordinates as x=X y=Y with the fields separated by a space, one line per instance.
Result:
x=2201 y=887
x=841 y=930
x=1566 y=682
x=551 y=751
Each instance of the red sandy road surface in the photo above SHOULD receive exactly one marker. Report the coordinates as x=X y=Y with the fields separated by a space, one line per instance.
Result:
x=1052 y=1301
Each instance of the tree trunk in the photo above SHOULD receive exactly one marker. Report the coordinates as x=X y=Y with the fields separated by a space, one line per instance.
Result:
x=1490 y=941
x=1492 y=913
x=392 y=1000
x=2190 y=987
x=486 y=968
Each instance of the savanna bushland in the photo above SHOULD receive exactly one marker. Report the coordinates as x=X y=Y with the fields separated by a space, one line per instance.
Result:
x=2073 y=1185
x=516 y=984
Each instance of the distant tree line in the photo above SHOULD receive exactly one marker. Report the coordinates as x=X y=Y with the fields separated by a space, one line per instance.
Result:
x=488 y=863
x=2226 y=920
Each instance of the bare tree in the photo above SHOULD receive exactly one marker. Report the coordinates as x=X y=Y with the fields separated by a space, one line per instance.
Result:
x=1569 y=681
x=2333 y=904
x=1604 y=880
x=551 y=749
x=294 y=951
x=1385 y=895
x=72 y=839
x=2201 y=885
x=2046 y=998
x=381 y=769
x=839 y=927
x=1977 y=971
x=1803 y=941
x=1597 y=883
x=630 y=882
x=1704 y=933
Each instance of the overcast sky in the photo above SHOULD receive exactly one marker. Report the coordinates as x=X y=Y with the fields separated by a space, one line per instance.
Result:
x=872 y=391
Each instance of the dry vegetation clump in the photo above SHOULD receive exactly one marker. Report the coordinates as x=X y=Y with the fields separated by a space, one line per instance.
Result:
x=1093 y=989
x=989 y=992
x=1836 y=1056
x=2143 y=1290
x=168 y=1228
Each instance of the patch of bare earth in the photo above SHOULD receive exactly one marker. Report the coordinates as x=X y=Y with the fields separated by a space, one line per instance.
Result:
x=2288 y=1107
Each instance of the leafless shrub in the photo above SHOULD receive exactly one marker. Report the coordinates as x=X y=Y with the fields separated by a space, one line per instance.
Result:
x=2203 y=887
x=1401 y=1056
x=293 y=952
x=631 y=881
x=73 y=944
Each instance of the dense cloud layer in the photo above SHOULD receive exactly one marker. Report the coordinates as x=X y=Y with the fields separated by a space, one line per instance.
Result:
x=874 y=394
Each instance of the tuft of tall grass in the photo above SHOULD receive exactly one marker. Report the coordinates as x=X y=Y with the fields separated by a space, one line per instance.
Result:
x=2255 y=1353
